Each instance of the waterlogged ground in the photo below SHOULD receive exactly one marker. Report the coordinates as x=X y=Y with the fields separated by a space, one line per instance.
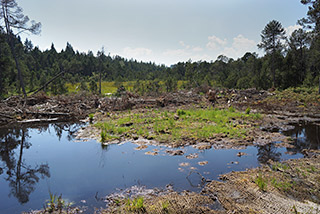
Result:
x=37 y=160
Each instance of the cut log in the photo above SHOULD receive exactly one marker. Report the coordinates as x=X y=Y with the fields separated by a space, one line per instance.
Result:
x=57 y=114
x=39 y=120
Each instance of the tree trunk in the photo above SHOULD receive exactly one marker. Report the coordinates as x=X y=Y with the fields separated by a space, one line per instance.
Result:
x=19 y=164
x=100 y=82
x=47 y=83
x=18 y=68
x=273 y=72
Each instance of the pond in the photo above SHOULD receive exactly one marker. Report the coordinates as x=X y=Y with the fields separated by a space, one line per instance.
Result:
x=37 y=160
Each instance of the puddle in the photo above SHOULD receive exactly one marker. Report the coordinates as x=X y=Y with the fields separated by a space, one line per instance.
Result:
x=36 y=160
x=305 y=136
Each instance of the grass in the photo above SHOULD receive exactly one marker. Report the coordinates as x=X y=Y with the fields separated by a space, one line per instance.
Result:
x=106 y=87
x=166 y=126
x=56 y=204
x=280 y=166
x=110 y=87
x=91 y=116
x=136 y=205
x=261 y=182
x=285 y=186
x=302 y=95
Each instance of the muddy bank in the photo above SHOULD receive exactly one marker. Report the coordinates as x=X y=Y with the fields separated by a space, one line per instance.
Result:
x=41 y=108
x=288 y=187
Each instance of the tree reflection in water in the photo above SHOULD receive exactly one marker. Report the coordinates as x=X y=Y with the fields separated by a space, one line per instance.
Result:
x=21 y=177
x=305 y=136
x=268 y=152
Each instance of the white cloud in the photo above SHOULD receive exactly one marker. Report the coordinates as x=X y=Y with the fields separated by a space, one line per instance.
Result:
x=136 y=52
x=215 y=42
x=240 y=46
x=184 y=45
x=197 y=49
x=290 y=29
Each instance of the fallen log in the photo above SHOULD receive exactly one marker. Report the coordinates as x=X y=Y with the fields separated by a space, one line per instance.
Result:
x=39 y=120
x=57 y=114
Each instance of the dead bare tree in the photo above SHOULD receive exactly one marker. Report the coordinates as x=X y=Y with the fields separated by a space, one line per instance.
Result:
x=15 y=22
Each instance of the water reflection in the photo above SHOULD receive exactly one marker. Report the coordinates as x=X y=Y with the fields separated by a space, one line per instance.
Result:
x=268 y=152
x=22 y=177
x=79 y=170
x=305 y=136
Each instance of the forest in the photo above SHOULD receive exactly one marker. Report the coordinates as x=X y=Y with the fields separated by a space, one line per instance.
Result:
x=288 y=62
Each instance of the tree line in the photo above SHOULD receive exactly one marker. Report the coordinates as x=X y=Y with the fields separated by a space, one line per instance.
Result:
x=288 y=61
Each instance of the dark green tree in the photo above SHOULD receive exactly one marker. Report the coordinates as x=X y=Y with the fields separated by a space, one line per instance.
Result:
x=296 y=59
x=16 y=22
x=312 y=21
x=93 y=85
x=272 y=37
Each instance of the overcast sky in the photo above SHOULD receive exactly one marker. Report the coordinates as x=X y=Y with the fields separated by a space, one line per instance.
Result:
x=162 y=31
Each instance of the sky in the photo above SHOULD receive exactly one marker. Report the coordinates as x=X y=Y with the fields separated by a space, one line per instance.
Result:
x=160 y=31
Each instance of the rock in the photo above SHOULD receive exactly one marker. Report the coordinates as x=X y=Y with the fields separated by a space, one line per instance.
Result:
x=180 y=169
x=142 y=147
x=203 y=146
x=184 y=164
x=151 y=153
x=239 y=154
x=175 y=152
x=192 y=156
x=202 y=163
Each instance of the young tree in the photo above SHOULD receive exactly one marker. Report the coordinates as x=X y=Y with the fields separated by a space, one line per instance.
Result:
x=102 y=58
x=271 y=41
x=16 y=22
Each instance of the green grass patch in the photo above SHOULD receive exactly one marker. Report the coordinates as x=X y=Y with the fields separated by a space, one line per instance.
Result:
x=136 y=205
x=166 y=126
x=261 y=182
x=111 y=87
x=285 y=186
x=106 y=87
x=280 y=166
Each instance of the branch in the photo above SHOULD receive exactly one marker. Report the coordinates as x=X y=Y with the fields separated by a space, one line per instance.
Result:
x=47 y=83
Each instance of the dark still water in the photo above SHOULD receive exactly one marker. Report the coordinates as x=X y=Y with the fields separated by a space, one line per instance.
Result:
x=37 y=160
